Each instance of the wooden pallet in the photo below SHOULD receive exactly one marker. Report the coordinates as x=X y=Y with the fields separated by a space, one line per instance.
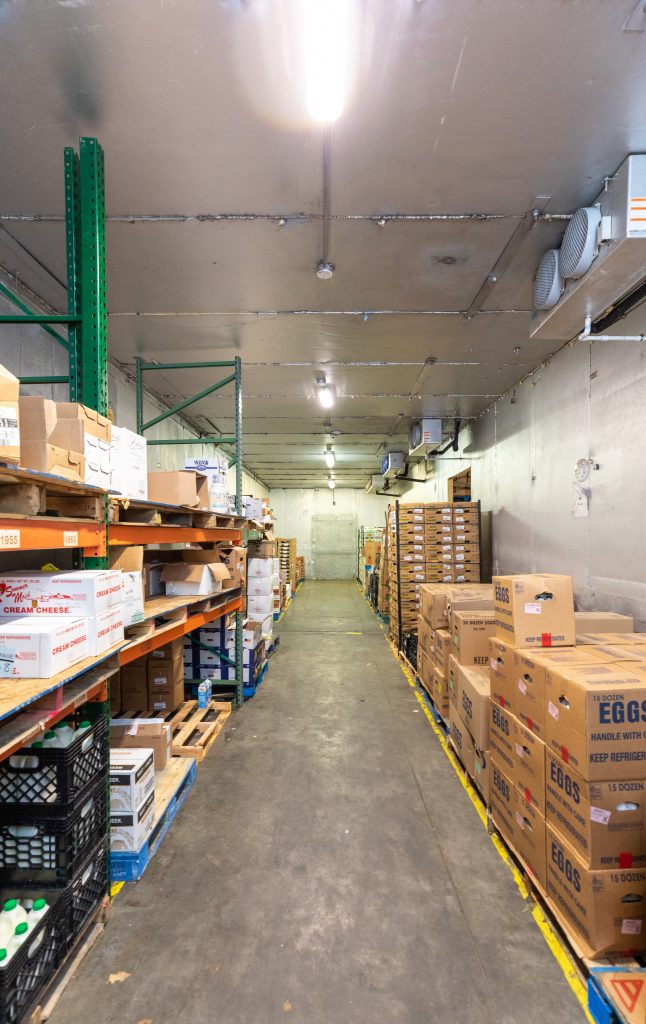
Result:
x=56 y=987
x=24 y=492
x=199 y=728
x=148 y=513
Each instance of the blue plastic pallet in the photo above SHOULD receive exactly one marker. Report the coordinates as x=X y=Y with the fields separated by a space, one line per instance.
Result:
x=249 y=691
x=128 y=867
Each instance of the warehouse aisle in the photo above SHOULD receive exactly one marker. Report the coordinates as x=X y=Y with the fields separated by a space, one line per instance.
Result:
x=328 y=866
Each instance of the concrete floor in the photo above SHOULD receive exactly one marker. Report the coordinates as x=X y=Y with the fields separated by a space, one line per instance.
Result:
x=327 y=866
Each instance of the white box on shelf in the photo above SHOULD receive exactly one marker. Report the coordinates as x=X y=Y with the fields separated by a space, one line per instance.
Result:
x=105 y=630
x=259 y=568
x=259 y=586
x=251 y=635
x=86 y=592
x=259 y=607
x=267 y=627
x=98 y=461
x=251 y=507
x=38 y=648
x=132 y=607
x=132 y=777
x=129 y=463
x=130 y=829
x=216 y=470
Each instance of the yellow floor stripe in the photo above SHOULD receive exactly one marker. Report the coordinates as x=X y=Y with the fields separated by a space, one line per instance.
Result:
x=552 y=941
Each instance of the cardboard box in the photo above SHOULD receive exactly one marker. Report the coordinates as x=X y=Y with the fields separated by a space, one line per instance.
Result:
x=424 y=635
x=134 y=684
x=127 y=559
x=152 y=733
x=235 y=559
x=93 y=422
x=453 y=680
x=171 y=651
x=152 y=579
x=606 y=910
x=471 y=632
x=604 y=822
x=165 y=673
x=519 y=753
x=132 y=605
x=40 y=647
x=481 y=773
x=261 y=549
x=443 y=650
x=48 y=458
x=166 y=698
x=259 y=568
x=259 y=586
x=425 y=670
x=216 y=471
x=501 y=673
x=603 y=622
x=86 y=592
x=530 y=670
x=181 y=487
x=252 y=507
x=129 y=464
x=130 y=829
x=519 y=821
x=534 y=610
x=132 y=777
x=595 y=720
x=9 y=417
x=462 y=740
x=259 y=607
x=251 y=635
x=441 y=692
x=104 y=631
x=185 y=579
x=473 y=703
x=38 y=418
x=609 y=639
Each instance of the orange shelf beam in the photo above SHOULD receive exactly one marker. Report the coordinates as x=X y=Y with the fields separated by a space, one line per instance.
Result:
x=171 y=632
x=135 y=533
x=41 y=532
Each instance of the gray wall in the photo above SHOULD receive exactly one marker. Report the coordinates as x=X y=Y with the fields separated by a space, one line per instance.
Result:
x=588 y=402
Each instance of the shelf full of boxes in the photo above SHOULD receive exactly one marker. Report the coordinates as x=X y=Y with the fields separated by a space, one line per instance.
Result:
x=75 y=736
x=543 y=710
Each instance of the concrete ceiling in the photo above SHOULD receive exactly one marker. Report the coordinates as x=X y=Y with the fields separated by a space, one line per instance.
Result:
x=457 y=107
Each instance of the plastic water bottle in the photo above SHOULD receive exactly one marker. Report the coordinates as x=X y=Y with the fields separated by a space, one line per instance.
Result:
x=38 y=910
x=64 y=733
x=50 y=739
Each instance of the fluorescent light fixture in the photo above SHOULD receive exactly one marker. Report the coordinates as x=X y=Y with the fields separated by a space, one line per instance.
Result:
x=331 y=483
x=326 y=398
x=329 y=458
x=327 y=30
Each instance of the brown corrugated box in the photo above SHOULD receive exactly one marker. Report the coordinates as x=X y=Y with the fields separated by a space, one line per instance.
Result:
x=596 y=719
x=519 y=821
x=535 y=610
x=462 y=740
x=605 y=909
x=519 y=753
x=471 y=632
x=91 y=421
x=441 y=692
x=473 y=703
x=603 y=622
x=605 y=822
x=182 y=487
x=501 y=673
x=530 y=669
x=49 y=458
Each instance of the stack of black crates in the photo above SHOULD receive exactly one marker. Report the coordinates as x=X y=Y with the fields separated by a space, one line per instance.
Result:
x=53 y=844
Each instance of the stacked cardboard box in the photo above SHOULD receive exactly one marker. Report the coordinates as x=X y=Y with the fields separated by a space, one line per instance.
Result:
x=435 y=543
x=286 y=552
x=9 y=417
x=300 y=567
x=568 y=759
x=219 y=636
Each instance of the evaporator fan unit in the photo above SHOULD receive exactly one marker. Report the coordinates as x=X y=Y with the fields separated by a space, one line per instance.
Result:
x=548 y=283
x=580 y=242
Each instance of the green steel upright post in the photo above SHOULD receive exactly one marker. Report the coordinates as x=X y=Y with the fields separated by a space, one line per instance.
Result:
x=238 y=433
x=139 y=395
x=93 y=349
x=73 y=250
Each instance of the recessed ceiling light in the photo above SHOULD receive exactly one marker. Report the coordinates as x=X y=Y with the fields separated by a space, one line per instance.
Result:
x=324 y=271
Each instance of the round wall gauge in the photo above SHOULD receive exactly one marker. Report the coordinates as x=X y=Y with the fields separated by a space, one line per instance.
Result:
x=582 y=470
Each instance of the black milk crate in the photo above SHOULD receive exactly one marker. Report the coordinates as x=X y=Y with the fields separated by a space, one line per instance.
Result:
x=32 y=966
x=409 y=648
x=48 y=782
x=48 y=851
x=87 y=888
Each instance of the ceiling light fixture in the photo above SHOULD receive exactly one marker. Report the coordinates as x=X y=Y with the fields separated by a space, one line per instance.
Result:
x=324 y=270
x=326 y=57
x=326 y=398
x=330 y=458
x=331 y=483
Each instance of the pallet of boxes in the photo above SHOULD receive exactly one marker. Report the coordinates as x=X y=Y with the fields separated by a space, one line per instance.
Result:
x=263 y=585
x=453 y=631
x=568 y=758
x=286 y=554
x=437 y=542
